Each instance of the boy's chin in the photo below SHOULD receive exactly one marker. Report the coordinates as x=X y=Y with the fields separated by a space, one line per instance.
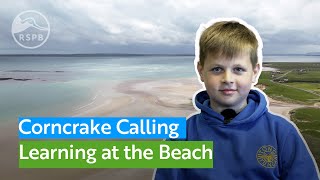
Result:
x=229 y=104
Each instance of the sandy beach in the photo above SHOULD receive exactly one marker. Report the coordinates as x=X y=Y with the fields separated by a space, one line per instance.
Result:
x=172 y=97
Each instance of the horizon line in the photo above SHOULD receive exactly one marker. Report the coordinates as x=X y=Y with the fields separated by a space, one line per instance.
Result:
x=143 y=54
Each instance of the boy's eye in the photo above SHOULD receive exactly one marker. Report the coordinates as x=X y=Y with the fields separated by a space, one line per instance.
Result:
x=239 y=69
x=216 y=69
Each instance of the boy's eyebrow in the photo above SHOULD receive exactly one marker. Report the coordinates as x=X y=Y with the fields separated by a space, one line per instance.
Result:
x=238 y=65
x=215 y=64
x=221 y=65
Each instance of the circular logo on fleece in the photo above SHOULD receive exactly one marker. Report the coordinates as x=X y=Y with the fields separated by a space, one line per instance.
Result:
x=267 y=156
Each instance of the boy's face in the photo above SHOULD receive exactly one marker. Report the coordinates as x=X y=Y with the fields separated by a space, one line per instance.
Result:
x=228 y=81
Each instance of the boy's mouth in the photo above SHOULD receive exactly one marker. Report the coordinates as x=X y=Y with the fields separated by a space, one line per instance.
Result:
x=228 y=91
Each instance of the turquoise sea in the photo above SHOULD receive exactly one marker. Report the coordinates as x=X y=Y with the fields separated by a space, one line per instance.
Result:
x=52 y=85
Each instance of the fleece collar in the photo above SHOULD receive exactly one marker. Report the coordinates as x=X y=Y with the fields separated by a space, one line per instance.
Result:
x=255 y=108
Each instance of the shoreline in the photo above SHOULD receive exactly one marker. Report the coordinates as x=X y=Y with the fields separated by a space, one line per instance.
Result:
x=165 y=97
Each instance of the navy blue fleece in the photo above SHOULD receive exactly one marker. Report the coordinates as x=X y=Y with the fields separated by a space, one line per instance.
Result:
x=240 y=145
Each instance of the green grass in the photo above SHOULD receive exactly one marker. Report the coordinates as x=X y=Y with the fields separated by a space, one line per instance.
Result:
x=315 y=87
x=307 y=120
x=307 y=114
x=311 y=71
x=265 y=75
x=290 y=66
x=309 y=76
x=296 y=90
x=313 y=143
x=285 y=93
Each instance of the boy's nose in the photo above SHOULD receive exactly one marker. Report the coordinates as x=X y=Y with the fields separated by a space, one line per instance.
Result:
x=227 y=77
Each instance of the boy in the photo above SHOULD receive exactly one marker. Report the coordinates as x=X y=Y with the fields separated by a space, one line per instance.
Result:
x=249 y=141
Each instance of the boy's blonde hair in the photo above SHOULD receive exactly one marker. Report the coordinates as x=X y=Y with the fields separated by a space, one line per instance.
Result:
x=228 y=39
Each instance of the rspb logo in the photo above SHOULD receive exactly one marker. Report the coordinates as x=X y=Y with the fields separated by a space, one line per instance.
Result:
x=30 y=29
x=267 y=156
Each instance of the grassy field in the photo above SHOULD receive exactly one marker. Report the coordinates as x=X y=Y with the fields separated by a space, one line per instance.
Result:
x=315 y=87
x=299 y=72
x=308 y=122
x=313 y=144
x=298 y=83
x=310 y=76
x=288 y=92
x=290 y=66
x=293 y=82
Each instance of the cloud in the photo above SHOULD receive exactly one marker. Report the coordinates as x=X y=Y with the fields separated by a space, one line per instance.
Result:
x=95 y=25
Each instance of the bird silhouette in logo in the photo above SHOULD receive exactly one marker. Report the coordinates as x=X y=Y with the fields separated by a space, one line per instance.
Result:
x=23 y=24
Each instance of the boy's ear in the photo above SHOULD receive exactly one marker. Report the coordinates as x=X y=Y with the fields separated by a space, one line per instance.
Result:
x=256 y=71
x=200 y=71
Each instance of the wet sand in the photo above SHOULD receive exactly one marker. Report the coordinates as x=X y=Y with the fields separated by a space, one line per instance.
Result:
x=131 y=98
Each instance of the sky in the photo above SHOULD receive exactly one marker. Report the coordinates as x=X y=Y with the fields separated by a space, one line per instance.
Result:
x=160 y=26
